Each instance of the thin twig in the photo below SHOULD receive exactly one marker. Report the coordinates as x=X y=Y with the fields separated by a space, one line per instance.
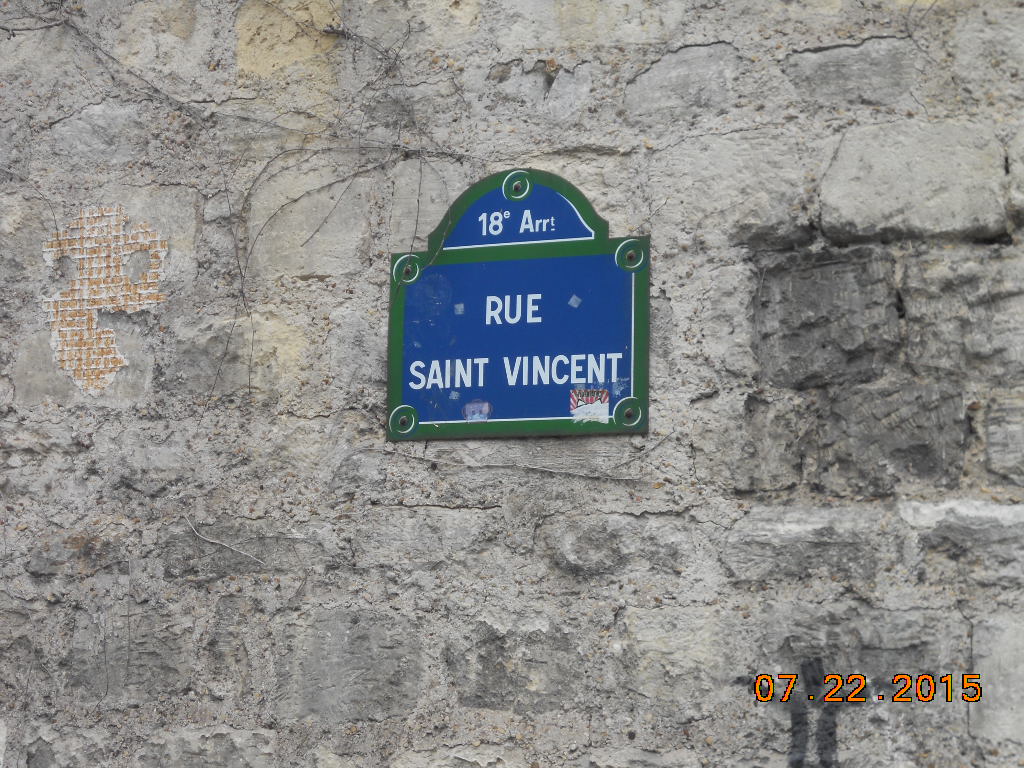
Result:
x=11 y=30
x=221 y=543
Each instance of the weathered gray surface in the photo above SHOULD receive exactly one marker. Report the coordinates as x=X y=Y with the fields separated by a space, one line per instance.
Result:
x=686 y=82
x=915 y=179
x=217 y=747
x=218 y=561
x=876 y=71
x=826 y=316
x=1005 y=436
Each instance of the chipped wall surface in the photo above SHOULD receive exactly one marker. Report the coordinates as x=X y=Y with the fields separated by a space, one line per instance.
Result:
x=209 y=555
x=97 y=246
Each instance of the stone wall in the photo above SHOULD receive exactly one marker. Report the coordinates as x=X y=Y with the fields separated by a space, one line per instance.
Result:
x=209 y=555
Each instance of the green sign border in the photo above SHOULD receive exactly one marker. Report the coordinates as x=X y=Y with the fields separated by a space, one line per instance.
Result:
x=632 y=253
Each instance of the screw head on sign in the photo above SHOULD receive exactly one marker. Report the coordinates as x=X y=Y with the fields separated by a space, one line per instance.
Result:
x=629 y=413
x=407 y=271
x=630 y=256
x=403 y=421
x=517 y=186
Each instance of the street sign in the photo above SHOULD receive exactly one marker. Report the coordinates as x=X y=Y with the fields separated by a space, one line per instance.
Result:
x=521 y=318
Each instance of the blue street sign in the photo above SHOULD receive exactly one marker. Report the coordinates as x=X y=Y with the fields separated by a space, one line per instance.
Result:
x=521 y=318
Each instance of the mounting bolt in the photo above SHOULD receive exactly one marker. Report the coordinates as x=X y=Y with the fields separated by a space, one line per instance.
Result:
x=407 y=271
x=517 y=186
x=630 y=256
x=403 y=421
x=628 y=414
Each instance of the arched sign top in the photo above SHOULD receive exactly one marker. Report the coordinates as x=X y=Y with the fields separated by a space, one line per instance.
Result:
x=518 y=207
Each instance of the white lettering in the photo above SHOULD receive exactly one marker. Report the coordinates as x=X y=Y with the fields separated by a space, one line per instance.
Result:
x=614 y=357
x=434 y=375
x=520 y=370
x=554 y=369
x=493 y=310
x=577 y=369
x=463 y=373
x=416 y=369
x=541 y=370
x=532 y=308
x=480 y=363
x=527 y=223
x=512 y=373
x=519 y=309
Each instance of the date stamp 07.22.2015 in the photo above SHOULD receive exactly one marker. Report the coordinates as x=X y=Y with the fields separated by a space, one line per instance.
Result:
x=855 y=688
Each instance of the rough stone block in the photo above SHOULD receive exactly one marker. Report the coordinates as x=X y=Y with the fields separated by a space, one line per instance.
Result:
x=552 y=454
x=915 y=179
x=684 y=83
x=534 y=24
x=998 y=647
x=177 y=46
x=422 y=194
x=419 y=538
x=570 y=93
x=25 y=224
x=324 y=758
x=49 y=747
x=269 y=45
x=524 y=82
x=223 y=650
x=226 y=355
x=38 y=378
x=215 y=747
x=463 y=757
x=153 y=458
x=588 y=546
x=794 y=543
x=965 y=538
x=594 y=545
x=531 y=671
x=76 y=553
x=34 y=453
x=630 y=757
x=767 y=454
x=877 y=71
x=357 y=349
x=874 y=436
x=965 y=313
x=752 y=441
x=187 y=556
x=683 y=657
x=128 y=655
x=988 y=50
x=310 y=221
x=102 y=137
x=22 y=647
x=730 y=189
x=720 y=330
x=344 y=665
x=1004 y=436
x=828 y=318
x=1015 y=155
x=14 y=144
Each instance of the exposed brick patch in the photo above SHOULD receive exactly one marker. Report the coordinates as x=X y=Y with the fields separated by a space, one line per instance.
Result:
x=99 y=245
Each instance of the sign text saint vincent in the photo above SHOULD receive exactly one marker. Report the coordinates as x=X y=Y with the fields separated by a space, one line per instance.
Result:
x=521 y=318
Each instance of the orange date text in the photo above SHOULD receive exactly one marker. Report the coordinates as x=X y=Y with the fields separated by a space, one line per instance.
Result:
x=855 y=688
